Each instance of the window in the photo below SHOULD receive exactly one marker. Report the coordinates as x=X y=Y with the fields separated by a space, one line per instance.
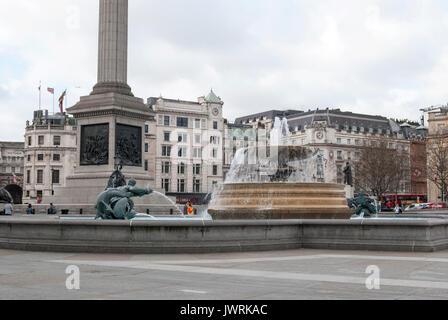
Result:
x=197 y=123
x=182 y=152
x=166 y=121
x=181 y=185
x=40 y=157
x=146 y=147
x=57 y=140
x=29 y=158
x=357 y=155
x=349 y=156
x=55 y=176
x=3 y=169
x=214 y=153
x=41 y=140
x=197 y=138
x=339 y=170
x=215 y=170
x=166 y=136
x=196 y=185
x=320 y=170
x=181 y=168
x=13 y=170
x=166 y=185
x=29 y=141
x=39 y=193
x=215 y=125
x=339 y=155
x=166 y=167
x=56 y=157
x=28 y=176
x=182 y=138
x=339 y=141
x=196 y=169
x=182 y=122
x=349 y=141
x=146 y=128
x=166 y=151
x=197 y=152
x=40 y=176
x=214 y=140
x=146 y=165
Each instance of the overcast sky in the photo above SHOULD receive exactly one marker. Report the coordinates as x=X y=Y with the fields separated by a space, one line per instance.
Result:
x=381 y=57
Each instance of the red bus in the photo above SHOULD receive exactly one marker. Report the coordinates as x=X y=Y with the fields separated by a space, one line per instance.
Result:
x=391 y=200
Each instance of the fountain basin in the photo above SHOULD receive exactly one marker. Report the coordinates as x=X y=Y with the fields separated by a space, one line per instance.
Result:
x=192 y=236
x=280 y=201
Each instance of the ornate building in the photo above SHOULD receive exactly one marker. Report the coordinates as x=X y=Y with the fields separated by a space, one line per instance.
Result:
x=50 y=152
x=437 y=131
x=11 y=168
x=187 y=144
x=340 y=137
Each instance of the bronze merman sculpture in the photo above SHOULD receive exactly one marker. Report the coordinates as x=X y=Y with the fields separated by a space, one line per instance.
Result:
x=116 y=203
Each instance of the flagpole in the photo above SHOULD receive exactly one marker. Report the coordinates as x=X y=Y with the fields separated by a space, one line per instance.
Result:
x=40 y=93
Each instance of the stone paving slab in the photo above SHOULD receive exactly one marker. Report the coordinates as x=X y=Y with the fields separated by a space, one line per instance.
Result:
x=278 y=275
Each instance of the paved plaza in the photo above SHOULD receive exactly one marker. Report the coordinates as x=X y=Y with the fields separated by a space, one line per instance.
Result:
x=279 y=275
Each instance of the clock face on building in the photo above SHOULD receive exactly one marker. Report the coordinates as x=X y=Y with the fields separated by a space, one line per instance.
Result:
x=215 y=112
x=320 y=135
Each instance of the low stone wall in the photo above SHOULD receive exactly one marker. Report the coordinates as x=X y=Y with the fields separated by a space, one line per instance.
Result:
x=89 y=210
x=148 y=237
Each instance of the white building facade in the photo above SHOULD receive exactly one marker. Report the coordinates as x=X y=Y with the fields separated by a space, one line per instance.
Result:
x=188 y=145
x=50 y=154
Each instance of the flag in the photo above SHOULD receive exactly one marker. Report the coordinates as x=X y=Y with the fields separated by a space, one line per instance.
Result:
x=51 y=90
x=61 y=101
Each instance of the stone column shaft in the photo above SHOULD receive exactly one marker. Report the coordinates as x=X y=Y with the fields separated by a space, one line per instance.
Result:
x=113 y=47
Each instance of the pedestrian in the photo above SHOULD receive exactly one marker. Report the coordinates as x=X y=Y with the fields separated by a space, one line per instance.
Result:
x=52 y=209
x=30 y=209
x=190 y=209
x=9 y=209
x=398 y=209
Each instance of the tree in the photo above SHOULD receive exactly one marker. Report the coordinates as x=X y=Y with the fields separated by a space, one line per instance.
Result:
x=437 y=169
x=381 y=170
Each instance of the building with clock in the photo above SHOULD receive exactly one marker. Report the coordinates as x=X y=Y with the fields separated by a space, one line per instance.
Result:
x=187 y=141
x=340 y=137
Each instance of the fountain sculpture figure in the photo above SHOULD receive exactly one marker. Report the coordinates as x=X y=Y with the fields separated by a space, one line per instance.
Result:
x=5 y=196
x=116 y=203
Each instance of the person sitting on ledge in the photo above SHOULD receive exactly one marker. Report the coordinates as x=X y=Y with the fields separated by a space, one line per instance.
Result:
x=30 y=210
x=8 y=209
x=52 y=209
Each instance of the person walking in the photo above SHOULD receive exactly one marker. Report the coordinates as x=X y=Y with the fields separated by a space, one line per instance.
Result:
x=9 y=209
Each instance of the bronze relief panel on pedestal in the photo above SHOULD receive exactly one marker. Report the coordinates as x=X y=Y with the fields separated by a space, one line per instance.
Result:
x=128 y=147
x=94 y=145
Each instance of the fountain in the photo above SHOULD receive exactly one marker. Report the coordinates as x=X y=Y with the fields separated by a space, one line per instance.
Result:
x=277 y=182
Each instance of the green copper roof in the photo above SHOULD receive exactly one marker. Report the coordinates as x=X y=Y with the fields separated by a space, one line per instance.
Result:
x=212 y=97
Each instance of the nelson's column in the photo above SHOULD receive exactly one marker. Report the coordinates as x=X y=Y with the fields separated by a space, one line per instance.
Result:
x=110 y=120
